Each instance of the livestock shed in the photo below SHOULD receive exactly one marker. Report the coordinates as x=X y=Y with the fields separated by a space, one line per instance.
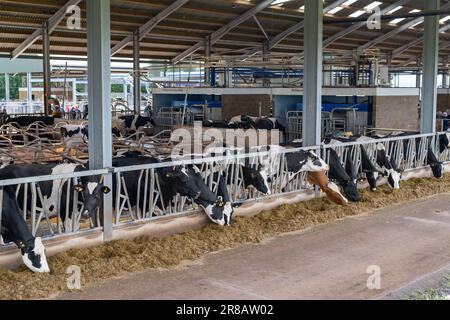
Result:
x=128 y=118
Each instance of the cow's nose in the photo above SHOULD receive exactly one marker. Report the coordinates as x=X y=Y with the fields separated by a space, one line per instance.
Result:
x=86 y=214
x=197 y=195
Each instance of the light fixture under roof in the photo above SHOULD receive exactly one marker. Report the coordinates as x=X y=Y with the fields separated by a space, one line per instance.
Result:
x=335 y=10
x=395 y=21
x=394 y=10
x=349 y=2
x=444 y=19
x=414 y=11
x=357 y=13
x=412 y=27
x=373 y=5
x=278 y=2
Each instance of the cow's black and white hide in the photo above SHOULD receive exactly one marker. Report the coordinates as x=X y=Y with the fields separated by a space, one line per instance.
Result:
x=183 y=180
x=14 y=229
x=242 y=122
x=344 y=177
x=54 y=192
x=386 y=163
x=73 y=136
x=296 y=162
x=25 y=121
x=114 y=131
x=444 y=141
x=255 y=175
x=369 y=170
x=133 y=123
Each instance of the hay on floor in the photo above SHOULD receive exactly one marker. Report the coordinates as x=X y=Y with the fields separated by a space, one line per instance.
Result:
x=119 y=257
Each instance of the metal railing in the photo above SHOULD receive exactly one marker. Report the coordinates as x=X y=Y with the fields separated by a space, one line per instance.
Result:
x=409 y=152
x=167 y=118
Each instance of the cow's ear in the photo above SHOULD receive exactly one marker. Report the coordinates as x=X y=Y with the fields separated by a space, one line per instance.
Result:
x=79 y=188
x=106 y=190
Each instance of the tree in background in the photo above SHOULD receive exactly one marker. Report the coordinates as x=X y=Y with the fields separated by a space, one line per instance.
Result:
x=15 y=82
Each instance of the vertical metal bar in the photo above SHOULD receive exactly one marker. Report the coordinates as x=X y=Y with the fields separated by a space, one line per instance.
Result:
x=99 y=96
x=136 y=73
x=7 y=88
x=29 y=93
x=1 y=213
x=46 y=66
x=312 y=82
x=430 y=68
x=207 y=57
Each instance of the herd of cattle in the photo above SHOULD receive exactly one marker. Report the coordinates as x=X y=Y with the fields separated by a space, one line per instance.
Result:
x=336 y=179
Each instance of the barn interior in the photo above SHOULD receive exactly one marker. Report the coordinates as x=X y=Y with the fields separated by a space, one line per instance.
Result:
x=318 y=68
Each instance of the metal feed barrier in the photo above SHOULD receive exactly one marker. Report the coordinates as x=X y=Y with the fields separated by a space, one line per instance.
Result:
x=167 y=118
x=409 y=153
x=331 y=122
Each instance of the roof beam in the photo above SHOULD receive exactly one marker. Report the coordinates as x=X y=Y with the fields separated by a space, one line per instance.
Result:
x=215 y=36
x=395 y=31
x=358 y=25
x=53 y=22
x=150 y=25
x=410 y=44
x=283 y=35
x=261 y=27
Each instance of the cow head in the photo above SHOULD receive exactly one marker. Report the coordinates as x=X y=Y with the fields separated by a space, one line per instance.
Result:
x=438 y=170
x=372 y=178
x=33 y=255
x=334 y=194
x=116 y=132
x=393 y=178
x=330 y=188
x=351 y=190
x=258 y=178
x=444 y=142
x=92 y=195
x=314 y=163
x=143 y=121
x=437 y=167
x=388 y=167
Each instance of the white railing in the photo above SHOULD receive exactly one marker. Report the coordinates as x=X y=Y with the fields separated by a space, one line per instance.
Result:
x=409 y=152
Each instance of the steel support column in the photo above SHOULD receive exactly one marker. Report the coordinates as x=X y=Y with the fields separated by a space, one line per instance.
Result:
x=265 y=51
x=136 y=73
x=312 y=82
x=419 y=73
x=99 y=96
x=7 y=88
x=46 y=66
x=29 y=93
x=430 y=68
x=207 y=57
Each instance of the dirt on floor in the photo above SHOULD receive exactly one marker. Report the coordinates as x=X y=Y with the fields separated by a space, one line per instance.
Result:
x=120 y=257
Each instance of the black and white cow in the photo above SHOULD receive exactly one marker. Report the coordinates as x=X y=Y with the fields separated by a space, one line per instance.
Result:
x=369 y=170
x=51 y=190
x=13 y=228
x=345 y=177
x=269 y=124
x=248 y=122
x=436 y=166
x=173 y=180
x=25 y=121
x=114 y=131
x=296 y=162
x=386 y=163
x=444 y=141
x=132 y=123
x=242 y=122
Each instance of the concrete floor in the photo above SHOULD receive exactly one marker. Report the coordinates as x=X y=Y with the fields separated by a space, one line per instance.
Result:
x=406 y=241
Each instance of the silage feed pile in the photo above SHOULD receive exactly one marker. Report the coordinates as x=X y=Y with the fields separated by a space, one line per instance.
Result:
x=123 y=256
